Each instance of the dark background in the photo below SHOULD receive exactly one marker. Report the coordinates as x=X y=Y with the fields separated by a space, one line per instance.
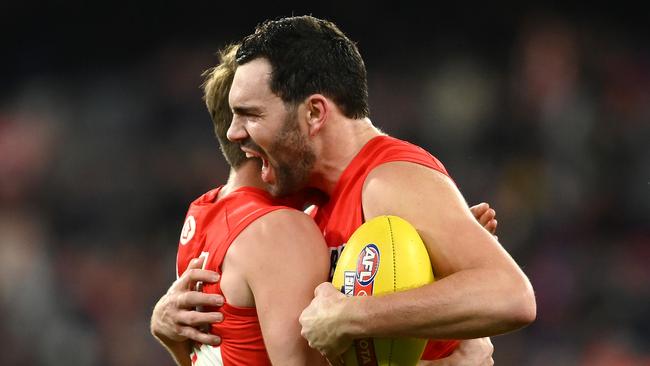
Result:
x=541 y=110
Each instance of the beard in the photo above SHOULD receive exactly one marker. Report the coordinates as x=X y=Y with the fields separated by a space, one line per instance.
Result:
x=294 y=158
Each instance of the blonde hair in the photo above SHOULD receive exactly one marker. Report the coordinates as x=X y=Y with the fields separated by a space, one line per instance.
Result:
x=216 y=87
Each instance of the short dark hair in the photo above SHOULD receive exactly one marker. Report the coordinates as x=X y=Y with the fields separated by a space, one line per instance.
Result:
x=308 y=56
x=216 y=88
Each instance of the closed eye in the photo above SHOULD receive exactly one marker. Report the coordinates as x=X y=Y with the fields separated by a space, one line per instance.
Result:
x=247 y=111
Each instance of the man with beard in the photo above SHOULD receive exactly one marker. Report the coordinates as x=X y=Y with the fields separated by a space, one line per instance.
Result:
x=299 y=98
x=180 y=313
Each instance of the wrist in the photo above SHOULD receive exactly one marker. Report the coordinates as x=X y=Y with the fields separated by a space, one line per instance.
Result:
x=354 y=317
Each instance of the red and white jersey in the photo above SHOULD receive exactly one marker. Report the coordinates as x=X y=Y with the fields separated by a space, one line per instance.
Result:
x=343 y=214
x=210 y=227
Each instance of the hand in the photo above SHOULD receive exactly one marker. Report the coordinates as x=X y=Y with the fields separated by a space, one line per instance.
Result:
x=470 y=352
x=322 y=323
x=486 y=217
x=175 y=317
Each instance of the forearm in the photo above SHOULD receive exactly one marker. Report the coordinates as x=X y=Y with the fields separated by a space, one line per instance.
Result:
x=468 y=304
x=180 y=351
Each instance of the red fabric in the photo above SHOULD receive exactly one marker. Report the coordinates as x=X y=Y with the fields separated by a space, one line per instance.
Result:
x=217 y=224
x=343 y=214
x=439 y=349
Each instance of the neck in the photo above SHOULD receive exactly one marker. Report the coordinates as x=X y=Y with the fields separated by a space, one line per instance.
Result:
x=246 y=175
x=339 y=143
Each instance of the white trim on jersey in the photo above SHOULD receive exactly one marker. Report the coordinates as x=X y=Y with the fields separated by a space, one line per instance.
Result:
x=207 y=356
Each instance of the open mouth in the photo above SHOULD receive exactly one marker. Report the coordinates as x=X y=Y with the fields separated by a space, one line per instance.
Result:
x=267 y=171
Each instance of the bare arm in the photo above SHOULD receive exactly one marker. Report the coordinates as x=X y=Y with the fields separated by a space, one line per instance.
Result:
x=480 y=289
x=175 y=322
x=286 y=258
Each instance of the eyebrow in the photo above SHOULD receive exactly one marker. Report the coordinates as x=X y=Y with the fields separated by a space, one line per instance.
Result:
x=246 y=110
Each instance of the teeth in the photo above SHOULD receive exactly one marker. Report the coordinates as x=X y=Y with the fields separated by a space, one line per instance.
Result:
x=249 y=155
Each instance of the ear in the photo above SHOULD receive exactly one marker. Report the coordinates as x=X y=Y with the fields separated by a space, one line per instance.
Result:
x=318 y=109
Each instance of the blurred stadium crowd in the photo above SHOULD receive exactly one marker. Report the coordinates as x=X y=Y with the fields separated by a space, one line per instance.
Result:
x=544 y=115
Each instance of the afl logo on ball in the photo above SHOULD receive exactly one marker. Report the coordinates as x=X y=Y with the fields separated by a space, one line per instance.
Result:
x=188 y=230
x=367 y=264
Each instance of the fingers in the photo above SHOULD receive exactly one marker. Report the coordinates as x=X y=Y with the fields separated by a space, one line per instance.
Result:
x=486 y=216
x=488 y=344
x=483 y=213
x=479 y=210
x=196 y=263
x=491 y=226
x=197 y=318
x=302 y=319
x=191 y=276
x=198 y=336
x=478 y=350
x=193 y=299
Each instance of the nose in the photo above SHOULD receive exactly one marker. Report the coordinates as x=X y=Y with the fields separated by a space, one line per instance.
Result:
x=236 y=131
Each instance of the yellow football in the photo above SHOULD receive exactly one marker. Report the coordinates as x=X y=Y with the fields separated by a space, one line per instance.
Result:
x=384 y=255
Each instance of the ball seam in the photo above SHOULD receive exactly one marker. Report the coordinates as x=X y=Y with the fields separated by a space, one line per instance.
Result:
x=392 y=246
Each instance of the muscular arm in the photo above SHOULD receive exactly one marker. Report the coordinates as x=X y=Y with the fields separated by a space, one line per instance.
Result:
x=286 y=258
x=480 y=291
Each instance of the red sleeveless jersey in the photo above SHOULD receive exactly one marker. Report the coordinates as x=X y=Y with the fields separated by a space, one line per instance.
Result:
x=343 y=213
x=210 y=227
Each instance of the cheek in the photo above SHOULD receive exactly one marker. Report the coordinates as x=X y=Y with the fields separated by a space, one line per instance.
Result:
x=253 y=130
x=263 y=135
x=260 y=135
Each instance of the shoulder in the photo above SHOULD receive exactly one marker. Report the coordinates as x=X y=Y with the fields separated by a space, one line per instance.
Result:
x=279 y=245
x=282 y=220
x=392 y=185
x=281 y=228
x=402 y=175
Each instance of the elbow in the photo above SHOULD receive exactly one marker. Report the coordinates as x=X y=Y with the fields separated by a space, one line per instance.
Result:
x=523 y=307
